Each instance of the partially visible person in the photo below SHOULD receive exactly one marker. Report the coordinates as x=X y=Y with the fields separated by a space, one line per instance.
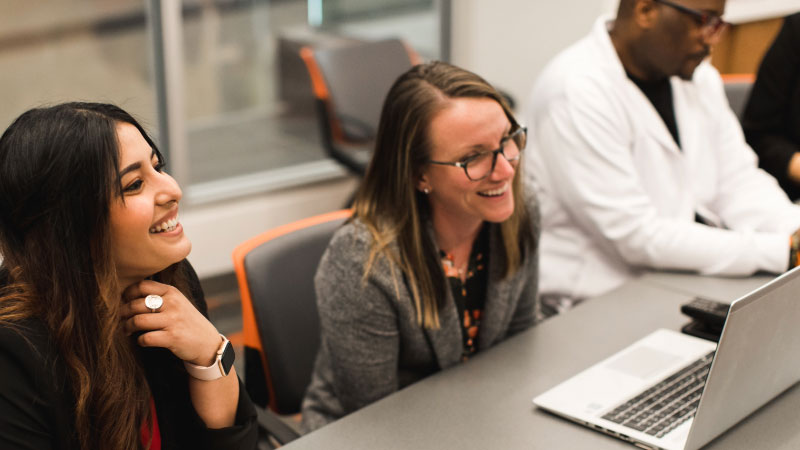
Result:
x=439 y=260
x=640 y=163
x=104 y=339
x=771 y=119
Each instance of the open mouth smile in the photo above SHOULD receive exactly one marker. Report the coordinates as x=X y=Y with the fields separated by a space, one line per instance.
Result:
x=166 y=226
x=495 y=192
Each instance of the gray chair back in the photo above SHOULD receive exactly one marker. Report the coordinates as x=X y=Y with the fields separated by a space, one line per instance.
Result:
x=359 y=77
x=355 y=78
x=280 y=276
x=738 y=91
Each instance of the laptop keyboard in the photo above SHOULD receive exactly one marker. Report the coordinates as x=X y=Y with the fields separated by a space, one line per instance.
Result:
x=663 y=407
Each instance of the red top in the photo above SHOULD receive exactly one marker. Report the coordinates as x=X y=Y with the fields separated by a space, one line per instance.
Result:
x=144 y=431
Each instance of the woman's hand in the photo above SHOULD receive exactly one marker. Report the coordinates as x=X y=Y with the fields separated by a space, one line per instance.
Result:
x=177 y=325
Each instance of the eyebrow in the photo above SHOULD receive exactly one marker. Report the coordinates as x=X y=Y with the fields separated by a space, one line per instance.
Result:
x=134 y=166
x=482 y=147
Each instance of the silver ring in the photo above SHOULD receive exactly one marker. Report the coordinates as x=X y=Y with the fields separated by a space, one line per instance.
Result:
x=153 y=302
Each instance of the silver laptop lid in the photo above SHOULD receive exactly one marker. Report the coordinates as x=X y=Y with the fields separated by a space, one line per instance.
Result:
x=756 y=358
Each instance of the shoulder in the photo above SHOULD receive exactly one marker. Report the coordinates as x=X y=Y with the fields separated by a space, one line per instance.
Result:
x=589 y=64
x=348 y=249
x=707 y=87
x=27 y=351
x=32 y=399
x=340 y=280
x=352 y=238
x=348 y=253
x=25 y=342
x=707 y=76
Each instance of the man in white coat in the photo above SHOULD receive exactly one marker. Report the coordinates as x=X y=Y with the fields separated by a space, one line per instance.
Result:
x=639 y=162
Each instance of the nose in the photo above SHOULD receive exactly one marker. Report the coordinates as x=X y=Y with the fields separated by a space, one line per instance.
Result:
x=503 y=169
x=711 y=39
x=168 y=190
x=712 y=36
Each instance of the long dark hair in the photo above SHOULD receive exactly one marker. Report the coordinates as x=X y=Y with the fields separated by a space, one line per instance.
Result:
x=388 y=202
x=58 y=177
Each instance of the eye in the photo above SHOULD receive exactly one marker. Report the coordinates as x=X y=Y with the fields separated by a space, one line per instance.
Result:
x=159 y=166
x=133 y=187
x=470 y=158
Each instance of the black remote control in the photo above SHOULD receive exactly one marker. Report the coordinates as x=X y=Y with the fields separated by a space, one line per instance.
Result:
x=709 y=312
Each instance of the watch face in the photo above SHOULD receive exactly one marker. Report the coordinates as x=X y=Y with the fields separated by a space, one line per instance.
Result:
x=228 y=356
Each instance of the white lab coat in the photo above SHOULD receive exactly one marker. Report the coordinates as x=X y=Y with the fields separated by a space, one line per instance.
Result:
x=617 y=194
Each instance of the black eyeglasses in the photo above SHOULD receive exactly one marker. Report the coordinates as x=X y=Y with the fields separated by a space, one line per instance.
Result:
x=711 y=24
x=479 y=166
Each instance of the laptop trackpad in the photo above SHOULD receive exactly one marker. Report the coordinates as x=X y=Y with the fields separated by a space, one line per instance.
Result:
x=643 y=362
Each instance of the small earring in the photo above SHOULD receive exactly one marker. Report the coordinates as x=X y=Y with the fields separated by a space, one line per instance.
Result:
x=426 y=191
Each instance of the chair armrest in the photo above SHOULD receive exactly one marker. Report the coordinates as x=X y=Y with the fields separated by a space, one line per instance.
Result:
x=274 y=427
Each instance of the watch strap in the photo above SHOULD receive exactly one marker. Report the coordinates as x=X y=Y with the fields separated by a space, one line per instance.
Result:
x=215 y=370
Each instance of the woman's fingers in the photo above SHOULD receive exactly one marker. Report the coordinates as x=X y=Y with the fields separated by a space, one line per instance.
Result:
x=158 y=338
x=144 y=288
x=134 y=298
x=139 y=306
x=145 y=322
x=177 y=325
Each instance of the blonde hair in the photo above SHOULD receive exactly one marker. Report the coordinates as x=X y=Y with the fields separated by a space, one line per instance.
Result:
x=387 y=201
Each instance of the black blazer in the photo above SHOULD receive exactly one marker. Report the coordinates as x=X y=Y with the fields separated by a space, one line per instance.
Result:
x=36 y=402
x=771 y=120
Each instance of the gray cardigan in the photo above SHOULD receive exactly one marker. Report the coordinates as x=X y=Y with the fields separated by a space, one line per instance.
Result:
x=371 y=344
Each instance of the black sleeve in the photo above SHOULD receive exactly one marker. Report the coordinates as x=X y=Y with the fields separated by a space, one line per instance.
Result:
x=181 y=427
x=33 y=413
x=771 y=119
x=243 y=435
x=179 y=423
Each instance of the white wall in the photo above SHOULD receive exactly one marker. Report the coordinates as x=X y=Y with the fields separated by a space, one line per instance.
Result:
x=737 y=11
x=216 y=228
x=508 y=42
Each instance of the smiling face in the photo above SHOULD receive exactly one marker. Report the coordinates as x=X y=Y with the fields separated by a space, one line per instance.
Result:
x=145 y=233
x=467 y=126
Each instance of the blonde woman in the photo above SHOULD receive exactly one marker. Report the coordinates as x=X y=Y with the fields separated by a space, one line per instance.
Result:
x=440 y=258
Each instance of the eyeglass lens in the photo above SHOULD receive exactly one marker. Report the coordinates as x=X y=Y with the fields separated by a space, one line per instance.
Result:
x=714 y=27
x=484 y=163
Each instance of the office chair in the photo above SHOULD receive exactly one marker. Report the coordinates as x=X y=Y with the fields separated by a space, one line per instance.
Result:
x=275 y=272
x=350 y=83
x=737 y=89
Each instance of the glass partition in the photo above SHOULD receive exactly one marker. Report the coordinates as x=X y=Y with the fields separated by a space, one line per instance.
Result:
x=244 y=117
x=418 y=22
x=56 y=51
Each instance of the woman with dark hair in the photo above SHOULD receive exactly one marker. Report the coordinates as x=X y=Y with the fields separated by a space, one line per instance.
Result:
x=440 y=257
x=104 y=340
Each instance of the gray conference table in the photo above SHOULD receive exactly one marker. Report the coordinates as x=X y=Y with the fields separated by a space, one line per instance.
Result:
x=485 y=403
x=722 y=289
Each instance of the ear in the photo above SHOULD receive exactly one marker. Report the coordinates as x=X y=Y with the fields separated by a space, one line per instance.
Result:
x=422 y=183
x=645 y=14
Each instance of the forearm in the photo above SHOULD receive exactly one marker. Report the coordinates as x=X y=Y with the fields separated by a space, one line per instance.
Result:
x=216 y=401
x=794 y=167
x=671 y=244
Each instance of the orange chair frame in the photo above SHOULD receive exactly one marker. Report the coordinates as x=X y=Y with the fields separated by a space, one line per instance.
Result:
x=250 y=336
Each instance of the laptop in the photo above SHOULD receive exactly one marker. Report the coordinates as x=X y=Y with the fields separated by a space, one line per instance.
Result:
x=672 y=391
